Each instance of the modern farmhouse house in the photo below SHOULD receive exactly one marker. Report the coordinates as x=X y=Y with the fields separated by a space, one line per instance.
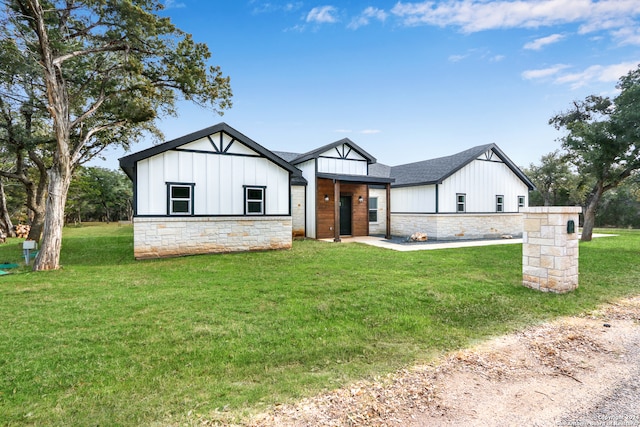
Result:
x=474 y=194
x=216 y=190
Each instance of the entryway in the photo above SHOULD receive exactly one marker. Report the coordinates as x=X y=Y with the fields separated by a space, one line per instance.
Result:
x=345 y=215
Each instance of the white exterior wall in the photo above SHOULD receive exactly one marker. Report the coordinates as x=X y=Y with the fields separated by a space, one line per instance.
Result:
x=419 y=199
x=298 y=203
x=178 y=236
x=218 y=179
x=380 y=226
x=342 y=166
x=342 y=160
x=308 y=169
x=482 y=181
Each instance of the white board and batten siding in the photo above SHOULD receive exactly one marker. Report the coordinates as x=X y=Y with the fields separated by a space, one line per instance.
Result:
x=481 y=181
x=342 y=160
x=417 y=199
x=308 y=169
x=218 y=178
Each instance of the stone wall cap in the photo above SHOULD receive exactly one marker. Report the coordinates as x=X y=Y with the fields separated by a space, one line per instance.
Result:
x=552 y=209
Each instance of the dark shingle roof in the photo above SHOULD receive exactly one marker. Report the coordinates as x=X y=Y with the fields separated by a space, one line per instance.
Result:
x=435 y=171
x=285 y=155
x=380 y=170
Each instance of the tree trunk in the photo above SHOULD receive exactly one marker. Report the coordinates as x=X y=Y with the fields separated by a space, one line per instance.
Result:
x=590 y=213
x=62 y=166
x=5 y=220
x=37 y=224
x=49 y=256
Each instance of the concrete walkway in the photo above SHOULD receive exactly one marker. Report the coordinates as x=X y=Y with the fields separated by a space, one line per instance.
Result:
x=381 y=242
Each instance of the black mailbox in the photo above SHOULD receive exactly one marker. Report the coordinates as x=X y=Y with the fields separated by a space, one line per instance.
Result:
x=571 y=227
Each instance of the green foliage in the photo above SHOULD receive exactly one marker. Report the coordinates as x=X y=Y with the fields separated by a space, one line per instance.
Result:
x=620 y=207
x=556 y=184
x=99 y=194
x=602 y=141
x=110 y=341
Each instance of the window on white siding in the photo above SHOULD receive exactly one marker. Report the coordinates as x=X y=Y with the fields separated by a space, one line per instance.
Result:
x=254 y=200
x=373 y=209
x=461 y=202
x=521 y=200
x=499 y=203
x=180 y=199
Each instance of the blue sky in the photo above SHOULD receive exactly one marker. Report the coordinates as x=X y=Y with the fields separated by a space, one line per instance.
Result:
x=408 y=80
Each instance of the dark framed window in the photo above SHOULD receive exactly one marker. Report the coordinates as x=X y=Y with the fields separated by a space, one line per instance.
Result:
x=461 y=202
x=373 y=209
x=180 y=198
x=499 y=203
x=521 y=201
x=254 y=200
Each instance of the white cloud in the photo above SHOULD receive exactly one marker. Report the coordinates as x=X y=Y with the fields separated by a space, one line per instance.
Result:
x=268 y=7
x=628 y=36
x=590 y=75
x=538 y=44
x=457 y=58
x=322 y=15
x=543 y=73
x=478 y=15
x=173 y=4
x=366 y=16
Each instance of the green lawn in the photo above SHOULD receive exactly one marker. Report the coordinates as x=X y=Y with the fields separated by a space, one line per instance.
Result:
x=108 y=340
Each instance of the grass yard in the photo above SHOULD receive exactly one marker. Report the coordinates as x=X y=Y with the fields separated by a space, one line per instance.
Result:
x=108 y=340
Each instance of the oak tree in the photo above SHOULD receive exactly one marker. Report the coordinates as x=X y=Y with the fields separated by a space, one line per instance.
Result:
x=603 y=141
x=104 y=71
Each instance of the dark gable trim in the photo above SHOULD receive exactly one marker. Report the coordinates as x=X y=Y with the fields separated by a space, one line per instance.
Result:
x=314 y=154
x=470 y=155
x=217 y=153
x=127 y=163
x=516 y=170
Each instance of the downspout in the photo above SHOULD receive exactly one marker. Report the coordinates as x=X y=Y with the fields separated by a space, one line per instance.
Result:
x=437 y=198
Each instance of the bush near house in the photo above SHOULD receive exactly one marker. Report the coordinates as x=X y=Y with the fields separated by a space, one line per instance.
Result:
x=108 y=340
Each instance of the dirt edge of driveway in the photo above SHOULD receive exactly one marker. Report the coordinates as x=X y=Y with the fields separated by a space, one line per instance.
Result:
x=553 y=374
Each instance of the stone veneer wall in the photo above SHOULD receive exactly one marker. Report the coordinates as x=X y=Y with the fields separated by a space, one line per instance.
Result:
x=379 y=227
x=549 y=252
x=457 y=226
x=298 y=193
x=156 y=237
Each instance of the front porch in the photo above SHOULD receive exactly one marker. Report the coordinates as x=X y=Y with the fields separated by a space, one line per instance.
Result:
x=342 y=205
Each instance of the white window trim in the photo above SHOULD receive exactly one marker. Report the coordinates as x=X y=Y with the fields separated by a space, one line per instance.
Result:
x=262 y=201
x=171 y=199
x=463 y=203
x=499 y=203
x=374 y=210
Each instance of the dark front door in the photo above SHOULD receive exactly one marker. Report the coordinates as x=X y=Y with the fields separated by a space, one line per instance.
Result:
x=345 y=215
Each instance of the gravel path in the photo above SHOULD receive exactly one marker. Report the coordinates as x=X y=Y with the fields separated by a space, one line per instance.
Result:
x=620 y=407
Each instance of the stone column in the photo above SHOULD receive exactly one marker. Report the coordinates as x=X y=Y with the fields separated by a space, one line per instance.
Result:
x=550 y=248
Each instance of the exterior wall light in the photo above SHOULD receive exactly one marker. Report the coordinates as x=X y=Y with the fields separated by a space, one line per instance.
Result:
x=326 y=197
x=360 y=199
